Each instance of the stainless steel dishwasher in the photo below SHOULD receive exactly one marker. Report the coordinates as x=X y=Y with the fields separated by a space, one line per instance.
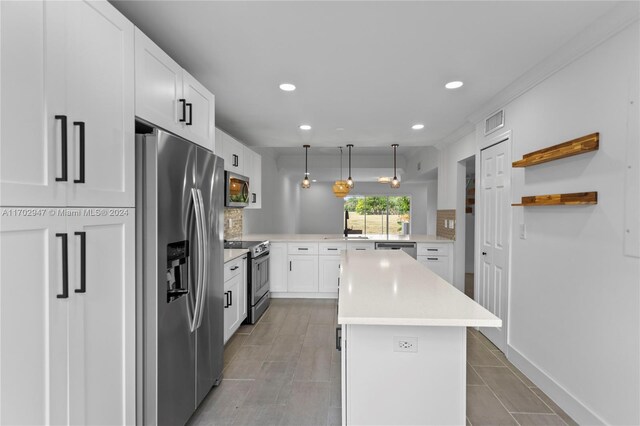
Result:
x=407 y=247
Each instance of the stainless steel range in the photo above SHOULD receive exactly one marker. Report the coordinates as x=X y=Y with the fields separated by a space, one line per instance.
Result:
x=257 y=276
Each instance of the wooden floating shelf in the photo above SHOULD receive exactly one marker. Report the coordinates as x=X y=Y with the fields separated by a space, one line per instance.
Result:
x=575 y=199
x=567 y=149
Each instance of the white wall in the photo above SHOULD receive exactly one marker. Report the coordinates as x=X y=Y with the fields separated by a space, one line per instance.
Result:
x=280 y=201
x=432 y=206
x=574 y=321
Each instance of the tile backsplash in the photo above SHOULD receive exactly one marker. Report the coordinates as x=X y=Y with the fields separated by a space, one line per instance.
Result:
x=232 y=223
x=446 y=224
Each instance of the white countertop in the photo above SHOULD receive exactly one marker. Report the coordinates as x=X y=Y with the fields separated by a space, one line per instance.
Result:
x=230 y=254
x=391 y=288
x=338 y=237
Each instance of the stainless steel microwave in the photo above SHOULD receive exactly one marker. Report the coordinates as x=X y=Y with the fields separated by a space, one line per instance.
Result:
x=236 y=190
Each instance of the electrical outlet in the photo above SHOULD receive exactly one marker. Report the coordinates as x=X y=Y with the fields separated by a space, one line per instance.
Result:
x=405 y=344
x=230 y=223
x=452 y=224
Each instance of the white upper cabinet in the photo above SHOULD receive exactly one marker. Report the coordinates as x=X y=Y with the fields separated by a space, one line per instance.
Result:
x=167 y=96
x=253 y=170
x=240 y=159
x=200 y=124
x=67 y=105
x=233 y=153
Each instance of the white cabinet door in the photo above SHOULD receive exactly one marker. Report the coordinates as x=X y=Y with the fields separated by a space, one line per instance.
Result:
x=303 y=274
x=231 y=306
x=200 y=124
x=158 y=85
x=253 y=170
x=102 y=319
x=278 y=264
x=329 y=273
x=33 y=330
x=219 y=148
x=438 y=264
x=233 y=155
x=247 y=158
x=359 y=245
x=99 y=79
x=31 y=149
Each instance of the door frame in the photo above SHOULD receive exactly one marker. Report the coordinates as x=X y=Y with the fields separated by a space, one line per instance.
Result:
x=483 y=144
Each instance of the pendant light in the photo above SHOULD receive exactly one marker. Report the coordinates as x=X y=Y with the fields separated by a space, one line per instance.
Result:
x=349 y=179
x=340 y=187
x=305 y=182
x=395 y=183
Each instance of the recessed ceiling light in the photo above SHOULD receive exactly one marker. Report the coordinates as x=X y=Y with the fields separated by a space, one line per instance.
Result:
x=453 y=84
x=287 y=87
x=305 y=127
x=417 y=126
x=314 y=180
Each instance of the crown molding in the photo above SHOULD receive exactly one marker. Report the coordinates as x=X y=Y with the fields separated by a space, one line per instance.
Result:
x=605 y=27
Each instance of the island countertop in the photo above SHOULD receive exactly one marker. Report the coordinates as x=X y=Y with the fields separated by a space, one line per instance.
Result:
x=391 y=288
x=294 y=238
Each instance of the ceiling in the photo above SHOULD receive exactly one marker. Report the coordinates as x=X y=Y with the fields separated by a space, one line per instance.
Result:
x=370 y=68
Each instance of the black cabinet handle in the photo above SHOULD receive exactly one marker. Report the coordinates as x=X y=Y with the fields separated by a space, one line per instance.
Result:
x=63 y=132
x=230 y=298
x=83 y=262
x=236 y=160
x=184 y=110
x=303 y=248
x=234 y=268
x=253 y=195
x=432 y=249
x=65 y=267
x=190 y=122
x=332 y=249
x=226 y=299
x=81 y=153
x=290 y=266
x=432 y=258
x=338 y=338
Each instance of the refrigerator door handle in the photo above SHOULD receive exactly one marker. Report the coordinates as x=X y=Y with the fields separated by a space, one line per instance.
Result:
x=205 y=258
x=199 y=237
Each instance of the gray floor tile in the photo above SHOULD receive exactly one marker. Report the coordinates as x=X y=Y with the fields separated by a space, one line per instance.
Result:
x=513 y=368
x=276 y=314
x=286 y=348
x=232 y=347
x=515 y=396
x=483 y=408
x=479 y=355
x=336 y=394
x=253 y=352
x=242 y=369
x=472 y=376
x=320 y=335
x=264 y=392
x=220 y=407
x=246 y=329
x=308 y=404
x=265 y=415
x=527 y=419
x=263 y=334
x=278 y=370
x=294 y=324
x=324 y=314
x=564 y=416
x=314 y=364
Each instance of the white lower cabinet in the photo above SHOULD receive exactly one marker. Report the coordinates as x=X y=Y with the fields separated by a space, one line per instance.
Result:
x=438 y=264
x=235 y=295
x=360 y=245
x=303 y=273
x=329 y=273
x=68 y=284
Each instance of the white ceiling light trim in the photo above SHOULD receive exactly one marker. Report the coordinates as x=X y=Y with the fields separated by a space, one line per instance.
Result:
x=287 y=87
x=417 y=126
x=454 y=85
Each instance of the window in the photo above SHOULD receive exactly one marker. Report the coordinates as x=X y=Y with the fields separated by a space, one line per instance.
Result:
x=377 y=214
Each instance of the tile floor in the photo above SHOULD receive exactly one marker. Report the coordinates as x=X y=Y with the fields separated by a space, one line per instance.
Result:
x=285 y=371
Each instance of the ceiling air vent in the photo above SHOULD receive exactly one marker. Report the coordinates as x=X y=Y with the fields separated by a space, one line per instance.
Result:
x=494 y=122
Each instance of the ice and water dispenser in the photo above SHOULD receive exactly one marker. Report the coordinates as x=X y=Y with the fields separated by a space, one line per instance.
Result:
x=177 y=270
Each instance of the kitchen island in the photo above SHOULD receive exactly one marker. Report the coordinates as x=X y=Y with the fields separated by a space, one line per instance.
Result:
x=403 y=341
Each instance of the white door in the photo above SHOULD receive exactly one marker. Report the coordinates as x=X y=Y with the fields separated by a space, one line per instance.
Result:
x=303 y=274
x=495 y=218
x=33 y=326
x=102 y=319
x=158 y=85
x=329 y=273
x=99 y=77
x=200 y=124
x=31 y=148
x=278 y=265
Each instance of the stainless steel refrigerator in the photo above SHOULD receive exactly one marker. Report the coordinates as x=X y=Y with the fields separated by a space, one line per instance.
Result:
x=179 y=205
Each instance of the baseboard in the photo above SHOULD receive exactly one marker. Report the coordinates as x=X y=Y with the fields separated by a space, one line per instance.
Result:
x=570 y=404
x=304 y=295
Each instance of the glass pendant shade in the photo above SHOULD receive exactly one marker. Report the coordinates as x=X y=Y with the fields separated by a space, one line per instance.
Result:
x=306 y=184
x=350 y=183
x=395 y=183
